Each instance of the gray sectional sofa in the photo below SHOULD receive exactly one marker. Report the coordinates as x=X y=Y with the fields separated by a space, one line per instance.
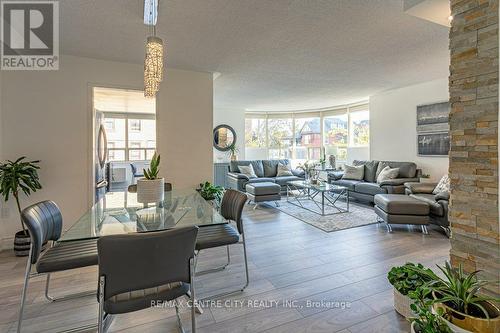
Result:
x=266 y=171
x=367 y=188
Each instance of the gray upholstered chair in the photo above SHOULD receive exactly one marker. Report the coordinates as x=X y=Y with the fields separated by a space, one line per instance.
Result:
x=139 y=270
x=44 y=222
x=212 y=236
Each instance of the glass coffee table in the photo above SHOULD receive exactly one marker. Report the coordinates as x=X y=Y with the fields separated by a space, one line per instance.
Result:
x=301 y=193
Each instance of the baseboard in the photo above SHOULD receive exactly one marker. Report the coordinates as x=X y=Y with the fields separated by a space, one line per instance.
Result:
x=6 y=243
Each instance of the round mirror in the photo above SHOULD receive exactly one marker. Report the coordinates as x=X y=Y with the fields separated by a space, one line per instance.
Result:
x=224 y=137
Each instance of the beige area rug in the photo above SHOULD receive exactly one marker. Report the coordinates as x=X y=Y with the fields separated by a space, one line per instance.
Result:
x=358 y=215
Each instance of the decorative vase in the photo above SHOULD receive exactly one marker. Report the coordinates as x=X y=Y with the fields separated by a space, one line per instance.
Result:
x=150 y=191
x=234 y=157
x=402 y=305
x=332 y=160
x=463 y=323
x=22 y=244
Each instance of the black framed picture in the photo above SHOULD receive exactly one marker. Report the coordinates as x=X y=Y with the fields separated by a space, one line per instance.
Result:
x=433 y=144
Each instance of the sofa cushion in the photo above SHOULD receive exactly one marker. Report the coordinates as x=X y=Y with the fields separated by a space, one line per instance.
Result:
x=370 y=169
x=248 y=171
x=354 y=172
x=435 y=207
x=369 y=188
x=406 y=169
x=387 y=174
x=256 y=164
x=285 y=179
x=349 y=183
x=265 y=188
x=270 y=167
x=443 y=185
x=401 y=204
x=284 y=170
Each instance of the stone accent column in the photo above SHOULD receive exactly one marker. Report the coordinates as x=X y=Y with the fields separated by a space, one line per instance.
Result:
x=474 y=210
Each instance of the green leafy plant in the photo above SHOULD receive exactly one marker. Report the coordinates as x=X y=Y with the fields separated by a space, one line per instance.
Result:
x=460 y=291
x=425 y=175
x=209 y=191
x=152 y=172
x=232 y=150
x=19 y=176
x=409 y=277
x=426 y=321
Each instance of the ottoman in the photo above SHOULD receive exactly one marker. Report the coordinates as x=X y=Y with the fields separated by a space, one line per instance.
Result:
x=402 y=209
x=266 y=191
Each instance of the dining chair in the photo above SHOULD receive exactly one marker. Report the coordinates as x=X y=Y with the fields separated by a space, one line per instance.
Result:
x=140 y=270
x=133 y=188
x=44 y=223
x=213 y=236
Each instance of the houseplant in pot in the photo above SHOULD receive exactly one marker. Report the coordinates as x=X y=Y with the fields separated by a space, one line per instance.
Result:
x=211 y=192
x=233 y=152
x=457 y=296
x=16 y=177
x=406 y=279
x=150 y=189
x=425 y=320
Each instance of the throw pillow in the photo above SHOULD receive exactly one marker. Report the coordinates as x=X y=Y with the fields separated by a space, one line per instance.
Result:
x=387 y=174
x=443 y=185
x=284 y=170
x=354 y=172
x=247 y=170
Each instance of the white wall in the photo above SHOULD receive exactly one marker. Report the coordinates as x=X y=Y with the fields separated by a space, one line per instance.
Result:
x=46 y=115
x=235 y=119
x=393 y=134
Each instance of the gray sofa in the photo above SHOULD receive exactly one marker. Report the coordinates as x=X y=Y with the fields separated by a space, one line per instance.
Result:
x=367 y=188
x=266 y=171
x=438 y=203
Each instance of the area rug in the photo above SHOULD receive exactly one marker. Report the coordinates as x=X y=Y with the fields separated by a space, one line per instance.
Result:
x=358 y=215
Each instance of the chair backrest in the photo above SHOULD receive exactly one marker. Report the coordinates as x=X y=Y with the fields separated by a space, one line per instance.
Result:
x=231 y=207
x=44 y=223
x=145 y=260
x=133 y=188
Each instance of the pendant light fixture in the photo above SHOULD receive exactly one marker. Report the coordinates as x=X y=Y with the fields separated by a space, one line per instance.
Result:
x=153 y=61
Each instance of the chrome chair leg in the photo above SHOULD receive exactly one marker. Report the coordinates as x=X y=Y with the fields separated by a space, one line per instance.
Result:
x=63 y=298
x=389 y=228
x=216 y=269
x=192 y=296
x=177 y=314
x=424 y=229
x=25 y=289
x=100 y=323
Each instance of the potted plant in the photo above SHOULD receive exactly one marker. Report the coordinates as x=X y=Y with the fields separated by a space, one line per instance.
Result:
x=233 y=152
x=425 y=320
x=405 y=279
x=211 y=192
x=16 y=177
x=151 y=189
x=457 y=296
x=425 y=178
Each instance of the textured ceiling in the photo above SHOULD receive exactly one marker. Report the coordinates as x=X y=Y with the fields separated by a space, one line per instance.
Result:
x=272 y=54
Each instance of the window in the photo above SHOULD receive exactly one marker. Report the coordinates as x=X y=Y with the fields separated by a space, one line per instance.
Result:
x=131 y=137
x=255 y=133
x=302 y=135
x=308 y=138
x=335 y=136
x=135 y=125
x=360 y=128
x=280 y=138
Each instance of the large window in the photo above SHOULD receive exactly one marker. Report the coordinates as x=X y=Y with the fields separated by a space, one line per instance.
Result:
x=131 y=137
x=302 y=136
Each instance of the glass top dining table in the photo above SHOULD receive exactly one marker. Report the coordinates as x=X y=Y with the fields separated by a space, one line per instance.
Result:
x=120 y=213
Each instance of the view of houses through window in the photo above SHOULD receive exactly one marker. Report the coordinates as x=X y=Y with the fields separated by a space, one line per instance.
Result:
x=131 y=137
x=301 y=136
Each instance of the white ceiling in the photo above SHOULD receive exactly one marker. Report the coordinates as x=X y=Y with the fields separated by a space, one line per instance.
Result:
x=272 y=54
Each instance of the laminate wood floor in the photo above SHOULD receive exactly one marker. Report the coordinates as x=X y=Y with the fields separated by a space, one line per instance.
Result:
x=302 y=280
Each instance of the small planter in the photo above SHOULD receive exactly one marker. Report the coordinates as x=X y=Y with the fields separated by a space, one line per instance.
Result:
x=402 y=305
x=425 y=180
x=150 y=191
x=22 y=244
x=463 y=323
x=414 y=328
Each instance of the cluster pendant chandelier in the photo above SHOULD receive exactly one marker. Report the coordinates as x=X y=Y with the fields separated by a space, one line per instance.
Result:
x=153 y=61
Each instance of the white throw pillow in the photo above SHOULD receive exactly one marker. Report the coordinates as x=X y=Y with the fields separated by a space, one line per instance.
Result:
x=443 y=185
x=247 y=170
x=284 y=170
x=387 y=174
x=354 y=172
